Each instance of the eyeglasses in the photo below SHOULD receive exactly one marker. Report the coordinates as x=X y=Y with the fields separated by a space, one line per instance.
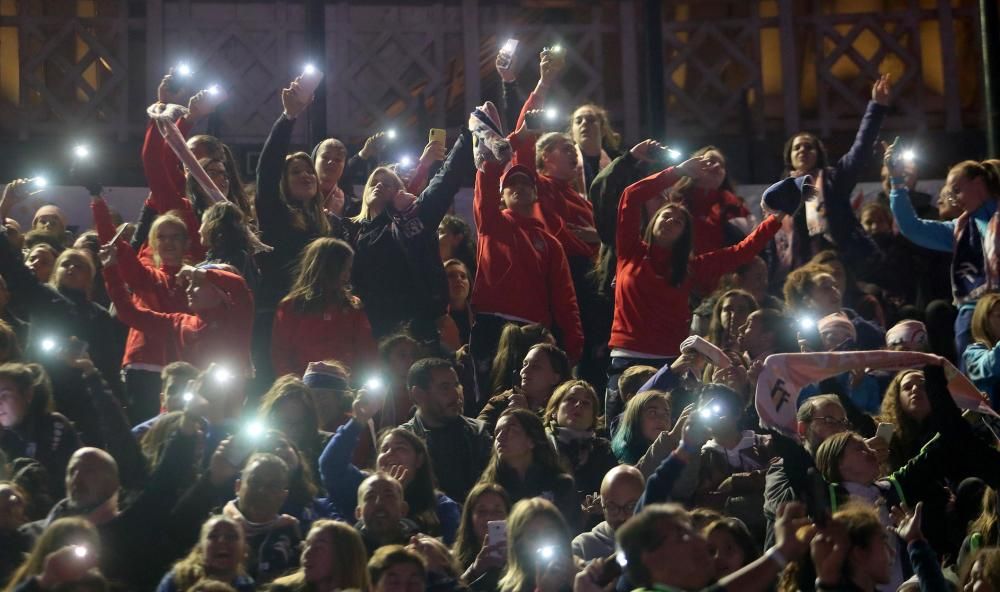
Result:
x=832 y=421
x=613 y=508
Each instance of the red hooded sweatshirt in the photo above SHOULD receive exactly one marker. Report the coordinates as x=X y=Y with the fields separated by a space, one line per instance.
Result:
x=220 y=335
x=559 y=203
x=522 y=270
x=652 y=316
x=337 y=333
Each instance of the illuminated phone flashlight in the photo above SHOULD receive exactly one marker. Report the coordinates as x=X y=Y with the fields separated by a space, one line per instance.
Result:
x=222 y=375
x=807 y=323
x=254 y=429
x=187 y=397
x=183 y=69
x=40 y=181
x=390 y=133
x=406 y=160
x=551 y=114
x=509 y=45
x=214 y=90
x=909 y=155
x=309 y=70
x=48 y=344
x=81 y=151
x=374 y=384
x=80 y=551
x=673 y=155
x=547 y=552
x=557 y=48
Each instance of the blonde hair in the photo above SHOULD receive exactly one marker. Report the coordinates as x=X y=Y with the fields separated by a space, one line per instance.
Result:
x=369 y=186
x=980 y=325
x=520 y=574
x=191 y=570
x=169 y=218
x=350 y=558
x=59 y=534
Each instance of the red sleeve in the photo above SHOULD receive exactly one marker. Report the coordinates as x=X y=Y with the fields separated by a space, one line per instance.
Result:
x=708 y=267
x=486 y=199
x=534 y=102
x=281 y=336
x=102 y=220
x=628 y=241
x=164 y=194
x=563 y=302
x=523 y=147
x=141 y=319
x=418 y=181
x=241 y=299
x=139 y=277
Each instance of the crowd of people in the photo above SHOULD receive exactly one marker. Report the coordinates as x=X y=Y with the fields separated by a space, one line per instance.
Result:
x=614 y=377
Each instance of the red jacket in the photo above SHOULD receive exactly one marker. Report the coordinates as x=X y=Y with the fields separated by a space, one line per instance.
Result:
x=167 y=186
x=521 y=269
x=559 y=203
x=651 y=316
x=710 y=211
x=220 y=335
x=337 y=333
x=153 y=288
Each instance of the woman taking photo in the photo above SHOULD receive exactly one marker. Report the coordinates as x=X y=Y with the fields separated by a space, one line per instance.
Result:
x=712 y=203
x=400 y=454
x=320 y=319
x=218 y=555
x=657 y=273
x=539 y=552
x=544 y=368
x=526 y=465
x=974 y=187
x=482 y=560
x=67 y=552
x=333 y=558
x=812 y=292
x=570 y=421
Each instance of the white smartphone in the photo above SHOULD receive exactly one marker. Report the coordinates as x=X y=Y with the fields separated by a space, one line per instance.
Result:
x=507 y=53
x=885 y=431
x=496 y=531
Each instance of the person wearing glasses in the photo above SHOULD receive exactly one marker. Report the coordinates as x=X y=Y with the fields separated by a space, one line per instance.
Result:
x=973 y=187
x=620 y=491
x=817 y=419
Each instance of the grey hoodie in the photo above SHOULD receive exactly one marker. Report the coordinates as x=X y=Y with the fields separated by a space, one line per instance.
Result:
x=599 y=542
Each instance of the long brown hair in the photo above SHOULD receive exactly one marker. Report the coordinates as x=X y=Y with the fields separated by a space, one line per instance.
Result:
x=908 y=430
x=609 y=137
x=307 y=216
x=216 y=150
x=716 y=332
x=520 y=573
x=318 y=275
x=543 y=455
x=682 y=189
x=515 y=341
x=680 y=252
x=988 y=523
x=466 y=545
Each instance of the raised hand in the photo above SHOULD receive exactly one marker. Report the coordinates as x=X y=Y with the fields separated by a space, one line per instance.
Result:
x=881 y=90
x=506 y=73
x=366 y=405
x=551 y=65
x=791 y=517
x=108 y=255
x=696 y=167
x=399 y=473
x=892 y=163
x=908 y=523
x=294 y=99
x=167 y=92
x=68 y=564
x=587 y=234
x=220 y=470
x=433 y=152
x=14 y=193
x=199 y=106
x=829 y=551
x=646 y=150
x=373 y=145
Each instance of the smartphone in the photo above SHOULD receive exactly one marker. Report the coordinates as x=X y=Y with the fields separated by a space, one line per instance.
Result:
x=215 y=95
x=817 y=497
x=243 y=443
x=885 y=431
x=496 y=531
x=118 y=235
x=75 y=348
x=506 y=56
x=437 y=135
x=310 y=79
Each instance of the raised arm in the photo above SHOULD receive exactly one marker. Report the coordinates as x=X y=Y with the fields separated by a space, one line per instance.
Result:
x=937 y=235
x=439 y=195
x=102 y=218
x=273 y=214
x=138 y=318
x=486 y=202
x=852 y=164
x=627 y=240
x=550 y=67
x=707 y=267
x=606 y=189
